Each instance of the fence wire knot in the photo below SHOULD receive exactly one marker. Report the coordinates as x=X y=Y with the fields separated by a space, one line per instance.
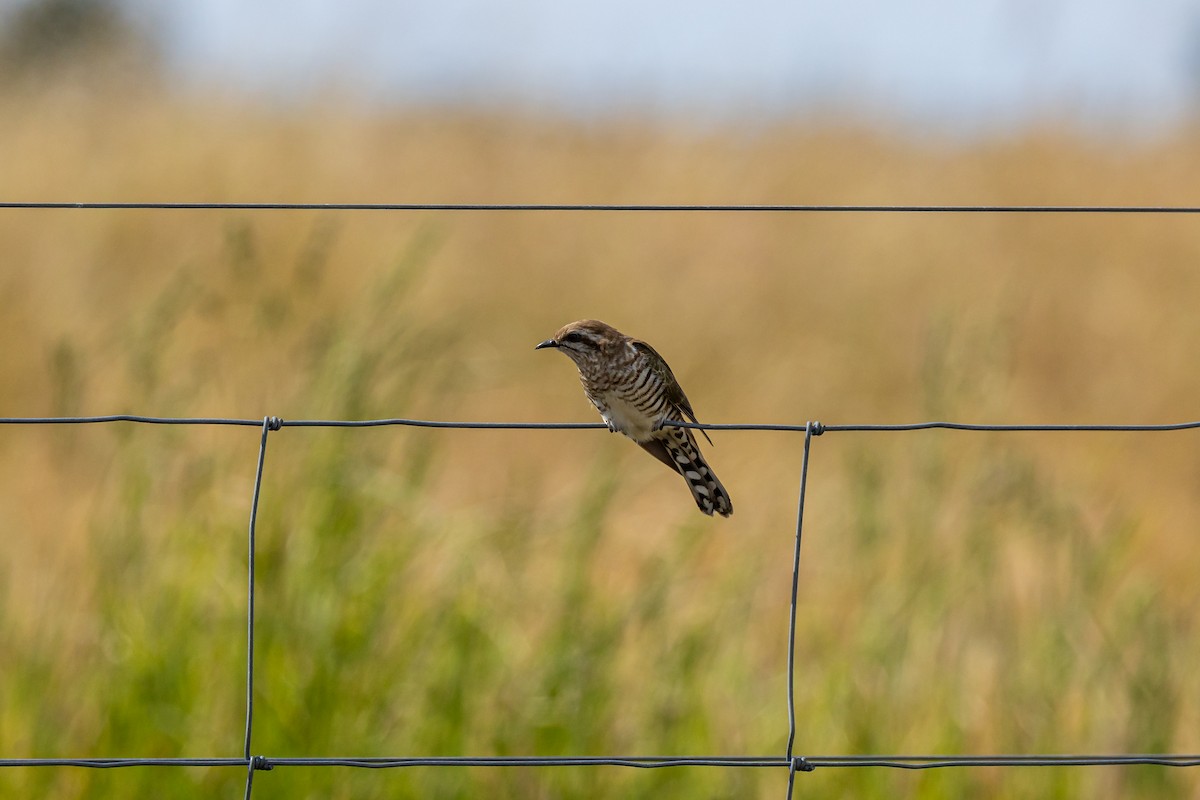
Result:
x=261 y=763
x=802 y=764
x=816 y=427
x=274 y=423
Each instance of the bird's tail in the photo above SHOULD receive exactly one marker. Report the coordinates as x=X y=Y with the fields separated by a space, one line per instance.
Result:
x=677 y=448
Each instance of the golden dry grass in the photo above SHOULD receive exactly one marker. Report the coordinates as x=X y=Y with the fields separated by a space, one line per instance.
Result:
x=960 y=592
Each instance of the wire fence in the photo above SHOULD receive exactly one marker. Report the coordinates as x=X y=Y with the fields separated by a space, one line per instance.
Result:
x=788 y=760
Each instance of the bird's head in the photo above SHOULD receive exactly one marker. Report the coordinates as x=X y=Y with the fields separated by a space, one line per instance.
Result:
x=585 y=340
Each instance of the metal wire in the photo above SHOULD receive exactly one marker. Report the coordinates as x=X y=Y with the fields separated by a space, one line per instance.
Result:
x=127 y=418
x=818 y=428
x=637 y=207
x=112 y=763
x=801 y=763
x=938 y=762
x=255 y=763
x=268 y=424
x=249 y=780
x=634 y=762
x=963 y=426
x=791 y=654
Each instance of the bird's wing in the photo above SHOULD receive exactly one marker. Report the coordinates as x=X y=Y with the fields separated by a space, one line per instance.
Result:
x=675 y=394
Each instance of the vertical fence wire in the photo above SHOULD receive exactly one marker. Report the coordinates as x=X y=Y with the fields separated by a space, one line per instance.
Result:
x=249 y=779
x=268 y=424
x=809 y=429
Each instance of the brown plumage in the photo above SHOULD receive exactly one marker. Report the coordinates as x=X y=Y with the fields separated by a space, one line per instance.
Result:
x=635 y=391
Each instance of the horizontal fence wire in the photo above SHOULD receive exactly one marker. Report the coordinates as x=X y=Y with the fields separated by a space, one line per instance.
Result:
x=801 y=763
x=818 y=428
x=635 y=207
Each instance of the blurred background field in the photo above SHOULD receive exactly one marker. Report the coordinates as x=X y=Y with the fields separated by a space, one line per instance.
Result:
x=441 y=592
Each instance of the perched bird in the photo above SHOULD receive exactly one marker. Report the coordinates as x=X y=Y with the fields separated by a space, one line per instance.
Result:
x=632 y=387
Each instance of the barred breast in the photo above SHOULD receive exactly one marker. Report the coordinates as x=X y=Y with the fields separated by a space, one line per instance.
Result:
x=632 y=402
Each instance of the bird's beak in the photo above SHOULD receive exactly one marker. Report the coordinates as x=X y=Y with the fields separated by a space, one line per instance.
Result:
x=547 y=343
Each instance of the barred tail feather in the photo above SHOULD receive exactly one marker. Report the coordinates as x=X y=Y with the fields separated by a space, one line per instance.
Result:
x=678 y=450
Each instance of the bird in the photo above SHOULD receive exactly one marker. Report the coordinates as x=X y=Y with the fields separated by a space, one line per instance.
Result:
x=635 y=392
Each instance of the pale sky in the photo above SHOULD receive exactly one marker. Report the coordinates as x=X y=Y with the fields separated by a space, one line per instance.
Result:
x=964 y=64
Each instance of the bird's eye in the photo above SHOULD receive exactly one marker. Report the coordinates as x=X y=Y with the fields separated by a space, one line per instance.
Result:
x=573 y=336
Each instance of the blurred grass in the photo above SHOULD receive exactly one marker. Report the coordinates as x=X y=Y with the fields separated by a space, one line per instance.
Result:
x=543 y=593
